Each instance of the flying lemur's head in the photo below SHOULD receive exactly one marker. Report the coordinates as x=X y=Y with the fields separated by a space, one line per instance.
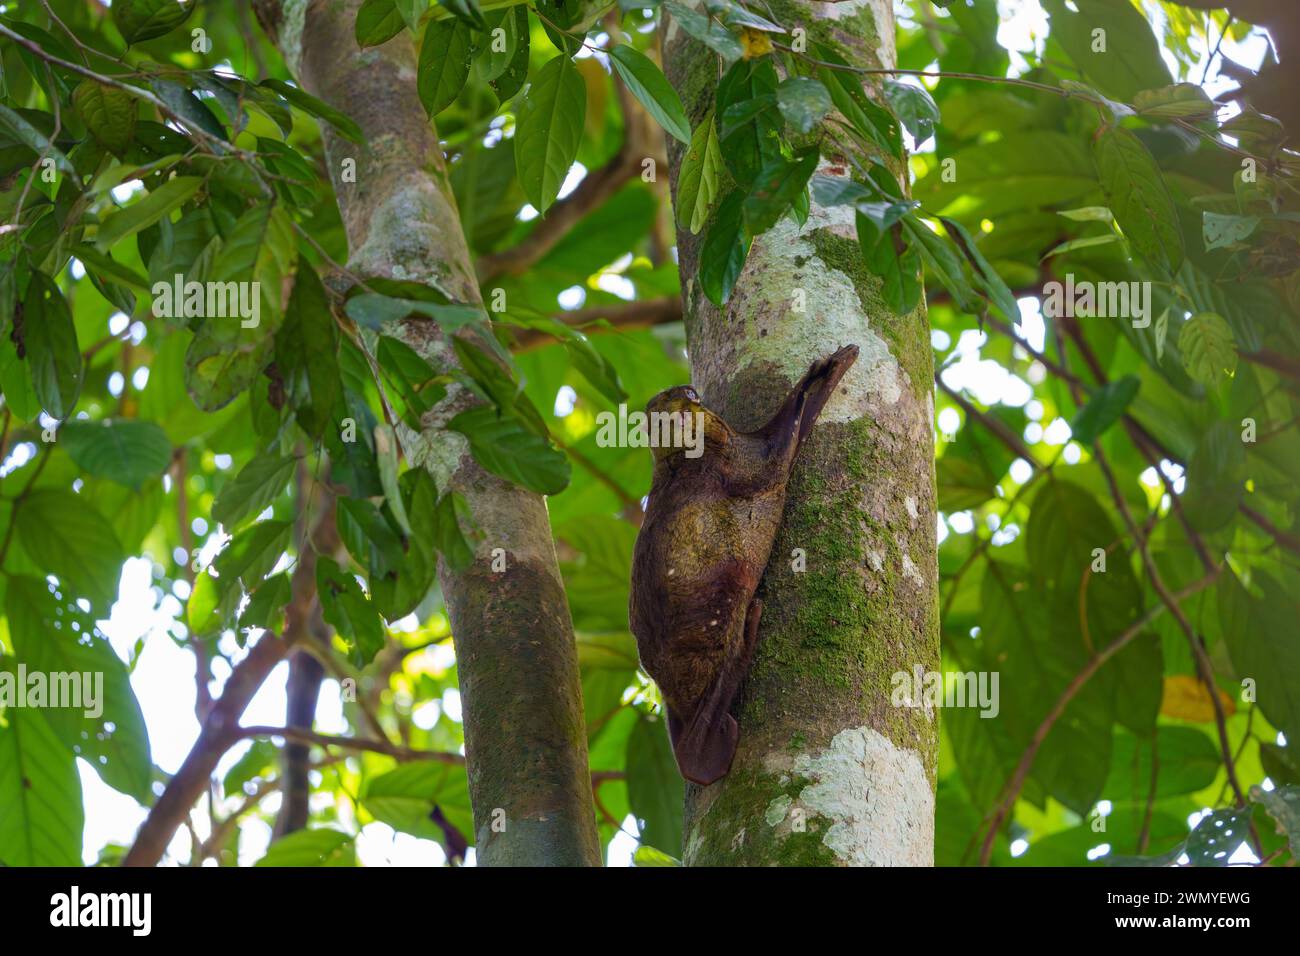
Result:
x=677 y=422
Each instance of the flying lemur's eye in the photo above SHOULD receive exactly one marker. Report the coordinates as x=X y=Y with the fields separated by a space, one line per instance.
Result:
x=690 y=394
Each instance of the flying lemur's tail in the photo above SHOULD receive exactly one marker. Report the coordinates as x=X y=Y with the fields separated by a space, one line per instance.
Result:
x=818 y=385
x=809 y=397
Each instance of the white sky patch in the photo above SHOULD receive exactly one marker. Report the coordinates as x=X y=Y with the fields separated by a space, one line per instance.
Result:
x=565 y=400
x=572 y=297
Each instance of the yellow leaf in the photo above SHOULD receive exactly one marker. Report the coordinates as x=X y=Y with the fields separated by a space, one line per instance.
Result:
x=1186 y=698
x=755 y=43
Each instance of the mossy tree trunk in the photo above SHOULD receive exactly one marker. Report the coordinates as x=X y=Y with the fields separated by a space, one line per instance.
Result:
x=525 y=739
x=828 y=772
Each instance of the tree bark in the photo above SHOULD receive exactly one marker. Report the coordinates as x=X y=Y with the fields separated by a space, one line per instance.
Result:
x=525 y=739
x=828 y=771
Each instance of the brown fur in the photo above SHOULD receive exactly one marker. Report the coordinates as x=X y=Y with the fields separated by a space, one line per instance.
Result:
x=709 y=528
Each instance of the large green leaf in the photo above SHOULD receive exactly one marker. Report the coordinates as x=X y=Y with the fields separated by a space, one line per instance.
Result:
x=306 y=353
x=39 y=789
x=106 y=726
x=698 y=177
x=549 y=130
x=139 y=20
x=505 y=446
x=108 y=112
x=128 y=452
x=307 y=848
x=378 y=21
x=655 y=789
x=444 y=63
x=172 y=194
x=258 y=484
x=347 y=608
x=649 y=85
x=49 y=340
x=67 y=537
x=1260 y=636
x=725 y=246
x=1136 y=193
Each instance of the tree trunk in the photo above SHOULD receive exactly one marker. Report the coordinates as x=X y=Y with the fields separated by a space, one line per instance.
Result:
x=828 y=772
x=525 y=740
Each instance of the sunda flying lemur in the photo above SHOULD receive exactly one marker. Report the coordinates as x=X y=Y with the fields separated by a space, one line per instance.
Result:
x=710 y=524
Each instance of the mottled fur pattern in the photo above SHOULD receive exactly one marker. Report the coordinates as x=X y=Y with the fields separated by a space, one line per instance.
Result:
x=709 y=528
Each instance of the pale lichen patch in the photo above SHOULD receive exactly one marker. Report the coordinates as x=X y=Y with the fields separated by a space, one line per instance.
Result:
x=777 y=809
x=876 y=796
x=911 y=572
x=785 y=277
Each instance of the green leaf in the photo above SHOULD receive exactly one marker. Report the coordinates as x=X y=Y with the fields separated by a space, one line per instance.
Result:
x=228 y=353
x=655 y=790
x=649 y=85
x=750 y=144
x=698 y=177
x=466 y=10
x=405 y=798
x=49 y=342
x=265 y=608
x=308 y=848
x=1130 y=59
x=306 y=353
x=128 y=452
x=39 y=789
x=1106 y=406
x=708 y=31
x=1136 y=192
x=347 y=608
x=776 y=188
x=914 y=106
x=1216 y=476
x=1187 y=760
x=1221 y=230
x=378 y=21
x=1217 y=837
x=258 y=484
x=723 y=252
x=649 y=856
x=252 y=553
x=1088 y=214
x=803 y=102
x=445 y=57
x=27 y=134
x=139 y=215
x=1283 y=805
x=189 y=107
x=344 y=124
x=106 y=726
x=986 y=277
x=505 y=446
x=451 y=541
x=386 y=453
x=1260 y=636
x=1209 y=352
x=894 y=260
x=66 y=536
x=108 y=112
x=511 y=80
x=942 y=263
x=1179 y=101
x=399 y=580
x=140 y=20
x=261 y=757
x=549 y=130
